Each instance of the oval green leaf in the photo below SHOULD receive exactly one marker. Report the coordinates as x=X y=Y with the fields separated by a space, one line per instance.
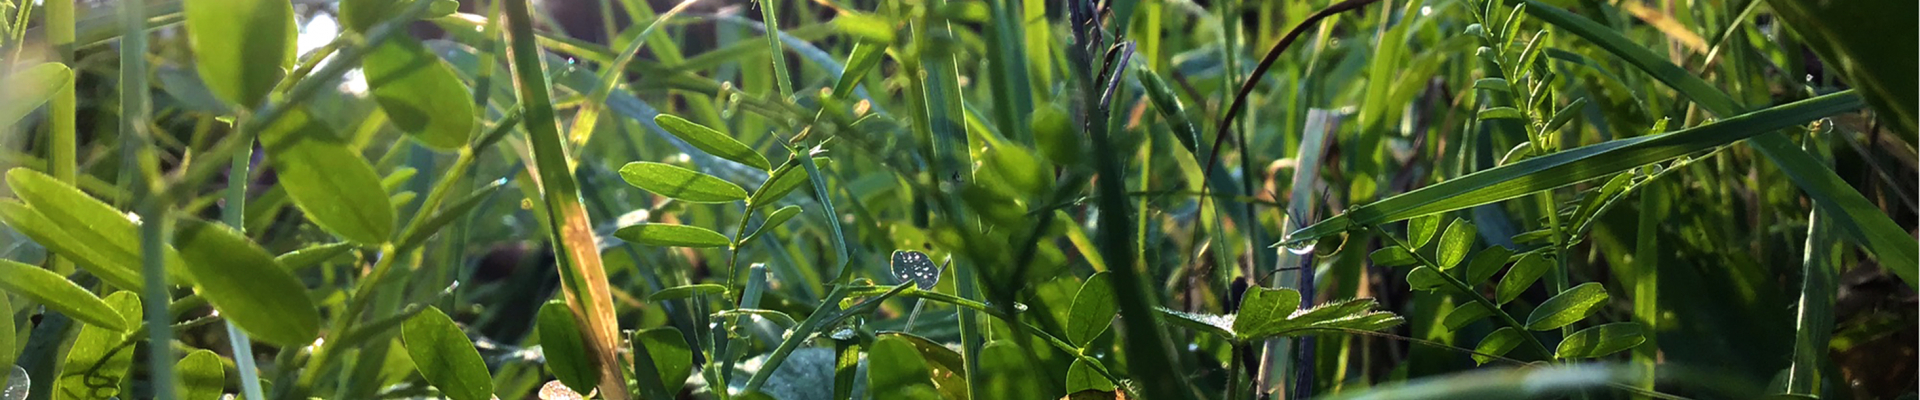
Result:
x=245 y=284
x=239 y=46
x=712 y=141
x=28 y=88
x=1456 y=243
x=893 y=364
x=1093 y=310
x=420 y=93
x=947 y=367
x=96 y=364
x=1486 y=263
x=1520 y=277
x=1420 y=230
x=93 y=259
x=565 y=348
x=1602 y=340
x=1265 y=311
x=201 y=375
x=681 y=183
x=1465 y=314
x=687 y=291
x=671 y=235
x=1425 y=278
x=1392 y=256
x=1081 y=377
x=59 y=294
x=774 y=219
x=1568 y=307
x=672 y=358
x=445 y=357
x=1497 y=343
x=87 y=223
x=334 y=186
x=790 y=176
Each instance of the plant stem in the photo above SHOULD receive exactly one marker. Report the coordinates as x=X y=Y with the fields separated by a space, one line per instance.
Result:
x=62 y=162
x=138 y=154
x=1646 y=282
x=234 y=214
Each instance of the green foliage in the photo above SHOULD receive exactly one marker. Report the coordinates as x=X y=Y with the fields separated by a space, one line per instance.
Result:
x=243 y=282
x=445 y=357
x=956 y=199
x=565 y=349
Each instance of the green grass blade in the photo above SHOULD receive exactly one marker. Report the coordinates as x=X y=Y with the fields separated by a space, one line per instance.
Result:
x=1575 y=165
x=577 y=256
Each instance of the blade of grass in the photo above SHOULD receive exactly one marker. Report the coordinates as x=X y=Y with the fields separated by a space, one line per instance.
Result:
x=1813 y=325
x=589 y=113
x=1574 y=165
x=1646 y=281
x=583 y=278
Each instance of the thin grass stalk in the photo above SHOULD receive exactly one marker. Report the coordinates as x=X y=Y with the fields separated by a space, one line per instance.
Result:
x=945 y=110
x=62 y=162
x=583 y=278
x=589 y=113
x=139 y=154
x=1646 y=282
x=770 y=14
x=1813 y=325
x=234 y=214
x=1150 y=355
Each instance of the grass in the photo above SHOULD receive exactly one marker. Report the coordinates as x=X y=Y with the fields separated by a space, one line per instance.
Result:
x=1321 y=199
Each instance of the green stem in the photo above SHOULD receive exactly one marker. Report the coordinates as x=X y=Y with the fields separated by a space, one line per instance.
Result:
x=139 y=155
x=1646 y=283
x=233 y=214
